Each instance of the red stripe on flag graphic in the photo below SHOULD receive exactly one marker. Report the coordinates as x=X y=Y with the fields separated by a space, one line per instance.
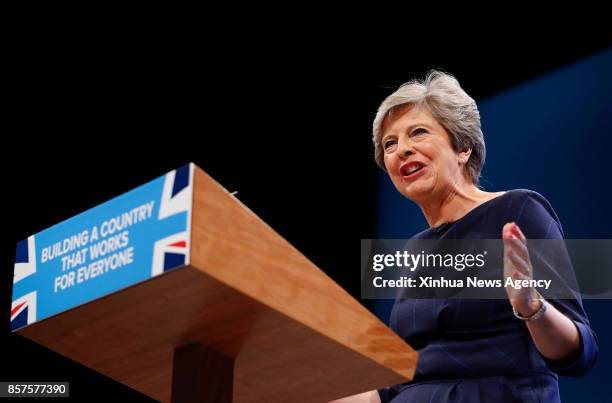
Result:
x=17 y=308
x=180 y=244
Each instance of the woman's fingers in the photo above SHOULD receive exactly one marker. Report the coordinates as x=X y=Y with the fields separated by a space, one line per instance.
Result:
x=515 y=240
x=519 y=263
x=517 y=275
x=516 y=262
x=512 y=228
x=519 y=248
x=507 y=231
x=517 y=231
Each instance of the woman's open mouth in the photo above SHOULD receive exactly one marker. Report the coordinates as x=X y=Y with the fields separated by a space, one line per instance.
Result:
x=412 y=171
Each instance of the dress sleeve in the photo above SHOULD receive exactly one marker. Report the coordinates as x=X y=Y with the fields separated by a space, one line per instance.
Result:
x=537 y=220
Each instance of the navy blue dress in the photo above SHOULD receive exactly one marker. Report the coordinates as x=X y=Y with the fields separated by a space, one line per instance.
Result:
x=476 y=350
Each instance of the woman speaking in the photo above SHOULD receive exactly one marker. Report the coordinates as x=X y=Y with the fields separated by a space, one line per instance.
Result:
x=427 y=137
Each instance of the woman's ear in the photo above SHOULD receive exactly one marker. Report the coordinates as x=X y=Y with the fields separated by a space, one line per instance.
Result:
x=464 y=156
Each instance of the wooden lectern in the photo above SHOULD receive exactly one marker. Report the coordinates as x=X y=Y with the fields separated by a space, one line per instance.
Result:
x=250 y=319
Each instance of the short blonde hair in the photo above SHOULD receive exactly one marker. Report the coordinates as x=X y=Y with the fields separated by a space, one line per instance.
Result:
x=450 y=105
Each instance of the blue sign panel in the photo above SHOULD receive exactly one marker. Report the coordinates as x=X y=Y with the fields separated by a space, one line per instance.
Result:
x=131 y=238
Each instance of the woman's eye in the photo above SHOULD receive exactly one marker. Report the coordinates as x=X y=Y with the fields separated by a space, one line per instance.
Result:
x=419 y=130
x=388 y=143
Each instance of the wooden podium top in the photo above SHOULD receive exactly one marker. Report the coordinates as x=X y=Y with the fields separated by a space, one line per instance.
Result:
x=295 y=335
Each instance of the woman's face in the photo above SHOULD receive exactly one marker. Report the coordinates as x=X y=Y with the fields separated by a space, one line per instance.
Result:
x=418 y=154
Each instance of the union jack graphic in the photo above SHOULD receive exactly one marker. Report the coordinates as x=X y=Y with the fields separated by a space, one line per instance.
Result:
x=23 y=310
x=173 y=251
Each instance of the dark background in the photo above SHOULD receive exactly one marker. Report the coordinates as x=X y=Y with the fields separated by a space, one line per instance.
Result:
x=286 y=123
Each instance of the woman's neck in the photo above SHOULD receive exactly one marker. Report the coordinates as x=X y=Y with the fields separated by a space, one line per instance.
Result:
x=453 y=204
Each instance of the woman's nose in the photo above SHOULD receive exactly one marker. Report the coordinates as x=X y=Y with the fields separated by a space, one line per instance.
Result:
x=404 y=150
